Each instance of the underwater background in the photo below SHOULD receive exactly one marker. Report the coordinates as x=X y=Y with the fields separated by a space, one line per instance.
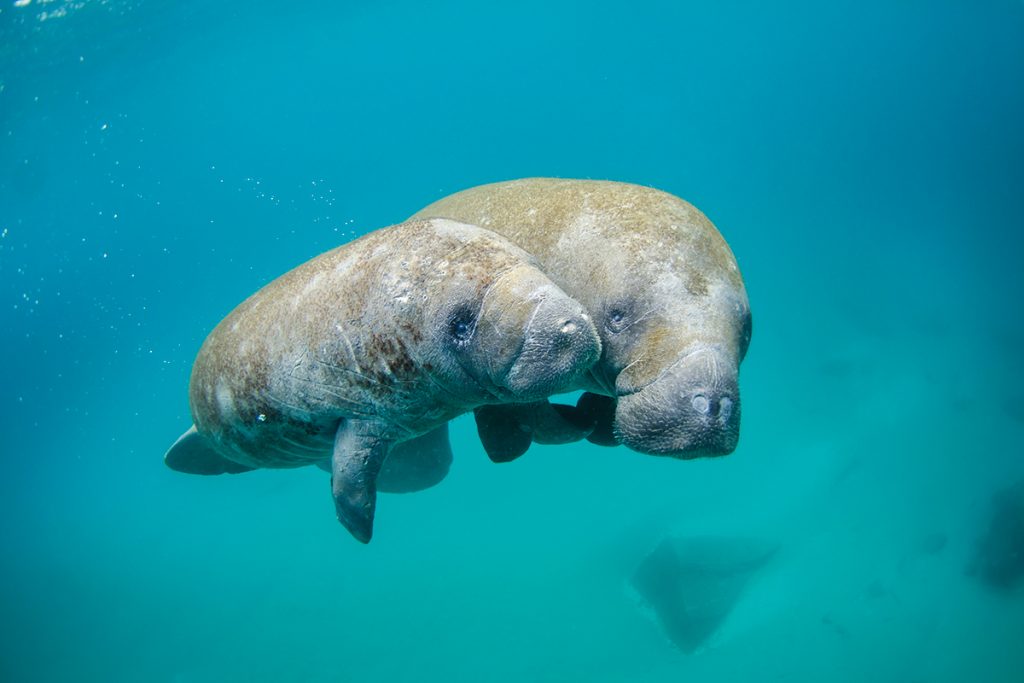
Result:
x=160 y=161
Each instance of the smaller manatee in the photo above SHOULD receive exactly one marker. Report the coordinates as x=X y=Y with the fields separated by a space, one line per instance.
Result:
x=375 y=343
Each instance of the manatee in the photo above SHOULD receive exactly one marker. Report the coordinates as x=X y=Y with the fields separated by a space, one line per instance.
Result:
x=374 y=343
x=668 y=300
x=692 y=584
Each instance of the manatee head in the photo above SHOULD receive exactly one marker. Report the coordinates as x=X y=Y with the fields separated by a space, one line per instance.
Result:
x=688 y=405
x=673 y=345
x=502 y=330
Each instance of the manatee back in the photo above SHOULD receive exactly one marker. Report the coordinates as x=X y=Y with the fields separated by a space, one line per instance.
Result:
x=576 y=226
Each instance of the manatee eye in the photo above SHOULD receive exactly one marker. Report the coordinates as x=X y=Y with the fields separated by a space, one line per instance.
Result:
x=616 y=320
x=461 y=326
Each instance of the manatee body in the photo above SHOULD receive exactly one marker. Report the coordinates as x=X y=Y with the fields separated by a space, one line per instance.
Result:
x=374 y=343
x=667 y=297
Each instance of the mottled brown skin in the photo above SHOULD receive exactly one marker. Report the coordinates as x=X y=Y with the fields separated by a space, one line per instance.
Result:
x=662 y=286
x=377 y=342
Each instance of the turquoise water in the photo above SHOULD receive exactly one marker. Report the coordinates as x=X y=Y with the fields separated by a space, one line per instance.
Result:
x=160 y=161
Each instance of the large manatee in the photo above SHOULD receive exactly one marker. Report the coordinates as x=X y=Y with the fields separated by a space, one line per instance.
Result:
x=666 y=294
x=374 y=343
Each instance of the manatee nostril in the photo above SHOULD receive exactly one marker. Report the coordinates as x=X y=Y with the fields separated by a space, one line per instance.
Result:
x=569 y=327
x=701 y=404
x=724 y=409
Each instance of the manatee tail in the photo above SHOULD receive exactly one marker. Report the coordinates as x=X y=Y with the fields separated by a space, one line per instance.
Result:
x=192 y=454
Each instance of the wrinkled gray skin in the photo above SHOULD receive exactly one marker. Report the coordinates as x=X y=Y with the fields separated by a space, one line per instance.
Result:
x=665 y=293
x=379 y=341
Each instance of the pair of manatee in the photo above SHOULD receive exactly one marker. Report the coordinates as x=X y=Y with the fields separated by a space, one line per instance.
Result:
x=491 y=299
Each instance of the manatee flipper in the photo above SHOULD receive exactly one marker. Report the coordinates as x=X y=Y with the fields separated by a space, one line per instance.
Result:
x=507 y=430
x=503 y=436
x=193 y=454
x=557 y=423
x=412 y=465
x=600 y=410
x=417 y=464
x=359 y=453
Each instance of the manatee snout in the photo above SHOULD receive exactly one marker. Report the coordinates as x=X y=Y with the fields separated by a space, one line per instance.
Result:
x=560 y=344
x=691 y=411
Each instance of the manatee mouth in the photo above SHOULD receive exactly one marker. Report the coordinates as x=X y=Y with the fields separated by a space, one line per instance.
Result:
x=691 y=410
x=709 y=428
